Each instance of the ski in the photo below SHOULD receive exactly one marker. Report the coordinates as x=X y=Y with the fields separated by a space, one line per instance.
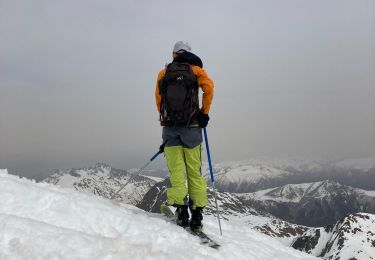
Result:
x=204 y=238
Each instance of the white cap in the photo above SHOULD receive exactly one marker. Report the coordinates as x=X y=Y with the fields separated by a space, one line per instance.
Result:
x=181 y=46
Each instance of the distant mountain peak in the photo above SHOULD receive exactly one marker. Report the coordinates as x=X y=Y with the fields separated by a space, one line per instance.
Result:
x=103 y=180
x=353 y=235
x=102 y=165
x=296 y=192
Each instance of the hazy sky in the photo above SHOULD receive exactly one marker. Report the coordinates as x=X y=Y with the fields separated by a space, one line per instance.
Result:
x=77 y=78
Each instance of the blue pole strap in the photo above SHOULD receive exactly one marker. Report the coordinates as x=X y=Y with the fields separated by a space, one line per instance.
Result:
x=208 y=155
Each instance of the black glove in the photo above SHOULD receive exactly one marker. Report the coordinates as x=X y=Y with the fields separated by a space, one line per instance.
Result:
x=203 y=119
x=161 y=148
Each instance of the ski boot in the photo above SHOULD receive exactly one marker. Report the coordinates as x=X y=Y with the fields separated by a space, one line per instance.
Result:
x=196 y=219
x=182 y=215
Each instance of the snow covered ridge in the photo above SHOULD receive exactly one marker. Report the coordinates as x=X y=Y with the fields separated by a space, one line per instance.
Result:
x=296 y=192
x=311 y=204
x=103 y=180
x=43 y=221
x=247 y=176
x=353 y=237
x=260 y=174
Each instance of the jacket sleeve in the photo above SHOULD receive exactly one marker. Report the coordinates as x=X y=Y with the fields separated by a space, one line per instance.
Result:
x=157 y=95
x=207 y=86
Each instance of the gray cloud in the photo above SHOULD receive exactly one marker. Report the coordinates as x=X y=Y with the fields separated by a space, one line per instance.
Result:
x=77 y=78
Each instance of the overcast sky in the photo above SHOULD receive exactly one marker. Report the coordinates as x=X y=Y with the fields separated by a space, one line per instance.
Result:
x=77 y=78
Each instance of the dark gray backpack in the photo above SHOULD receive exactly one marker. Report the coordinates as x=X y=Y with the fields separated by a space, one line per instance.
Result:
x=179 y=95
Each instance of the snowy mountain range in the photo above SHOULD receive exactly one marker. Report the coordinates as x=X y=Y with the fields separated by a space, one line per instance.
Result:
x=311 y=204
x=260 y=174
x=104 y=180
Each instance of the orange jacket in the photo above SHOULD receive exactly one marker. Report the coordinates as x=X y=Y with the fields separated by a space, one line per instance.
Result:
x=204 y=82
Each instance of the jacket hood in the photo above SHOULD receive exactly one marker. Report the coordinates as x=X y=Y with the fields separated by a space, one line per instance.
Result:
x=190 y=58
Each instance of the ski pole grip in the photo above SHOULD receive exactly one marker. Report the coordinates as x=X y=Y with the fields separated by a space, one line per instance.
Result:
x=208 y=155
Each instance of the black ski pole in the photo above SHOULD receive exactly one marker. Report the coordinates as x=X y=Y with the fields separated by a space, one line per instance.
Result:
x=161 y=150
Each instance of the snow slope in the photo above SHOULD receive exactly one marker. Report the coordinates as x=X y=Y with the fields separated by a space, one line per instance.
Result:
x=42 y=221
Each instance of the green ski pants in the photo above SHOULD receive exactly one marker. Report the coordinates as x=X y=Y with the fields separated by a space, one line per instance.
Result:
x=179 y=160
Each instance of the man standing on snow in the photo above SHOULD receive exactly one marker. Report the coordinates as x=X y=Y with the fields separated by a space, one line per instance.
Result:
x=177 y=101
